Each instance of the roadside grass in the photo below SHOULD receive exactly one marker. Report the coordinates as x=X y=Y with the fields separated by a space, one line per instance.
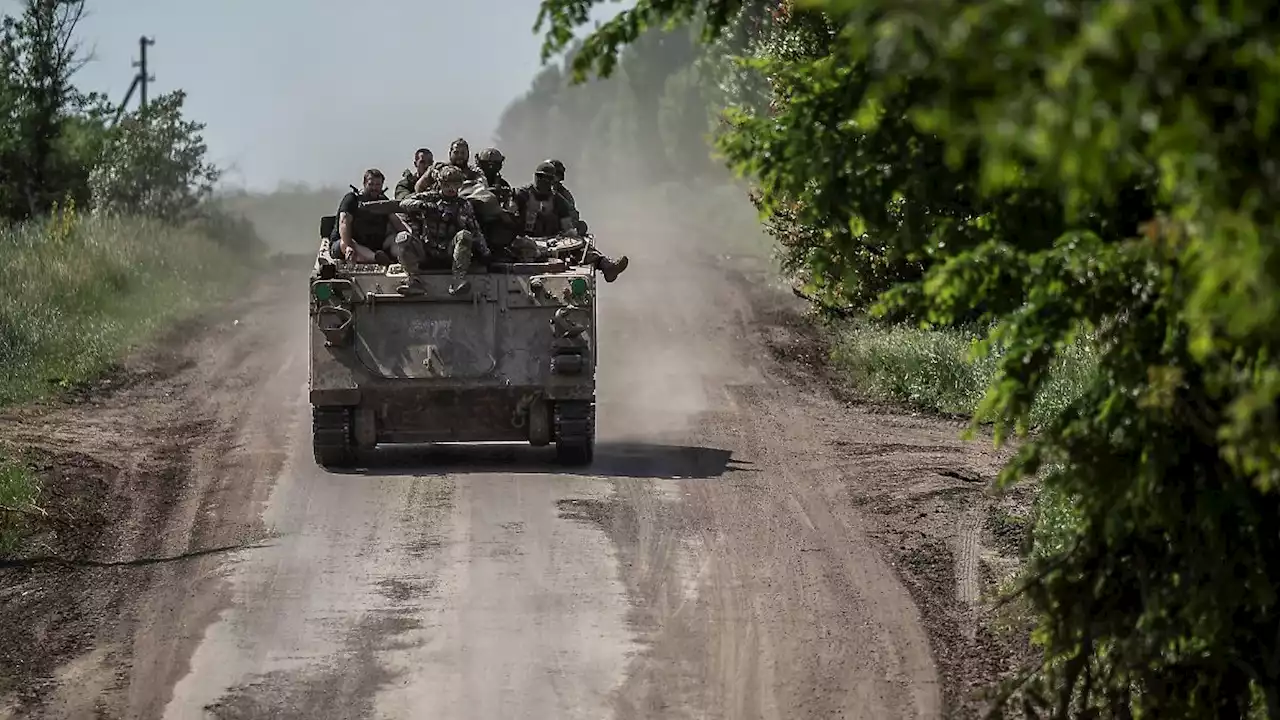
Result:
x=80 y=292
x=19 y=488
x=929 y=370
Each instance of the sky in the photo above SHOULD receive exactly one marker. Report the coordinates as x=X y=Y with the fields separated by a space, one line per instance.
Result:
x=315 y=91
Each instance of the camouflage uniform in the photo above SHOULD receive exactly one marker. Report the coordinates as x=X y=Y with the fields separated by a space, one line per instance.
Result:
x=444 y=229
x=404 y=188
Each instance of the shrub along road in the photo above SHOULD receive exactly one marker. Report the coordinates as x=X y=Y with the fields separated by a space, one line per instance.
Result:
x=748 y=544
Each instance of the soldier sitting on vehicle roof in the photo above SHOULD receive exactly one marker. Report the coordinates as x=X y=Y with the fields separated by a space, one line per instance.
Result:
x=541 y=212
x=560 y=188
x=445 y=228
x=423 y=159
x=459 y=157
x=359 y=235
x=497 y=217
x=489 y=163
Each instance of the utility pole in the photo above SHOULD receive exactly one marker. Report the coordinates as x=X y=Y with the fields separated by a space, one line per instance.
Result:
x=141 y=78
x=141 y=64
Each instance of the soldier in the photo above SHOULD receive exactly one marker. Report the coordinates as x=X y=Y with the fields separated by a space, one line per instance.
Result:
x=497 y=219
x=423 y=159
x=359 y=234
x=560 y=188
x=542 y=212
x=447 y=228
x=489 y=163
x=459 y=157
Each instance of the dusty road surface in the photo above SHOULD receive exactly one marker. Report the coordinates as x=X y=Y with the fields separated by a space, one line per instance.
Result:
x=746 y=545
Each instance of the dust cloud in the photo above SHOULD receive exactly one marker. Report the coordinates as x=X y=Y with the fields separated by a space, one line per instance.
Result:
x=669 y=324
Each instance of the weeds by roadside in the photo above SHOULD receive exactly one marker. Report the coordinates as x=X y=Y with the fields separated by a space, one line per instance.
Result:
x=19 y=488
x=930 y=370
x=80 y=292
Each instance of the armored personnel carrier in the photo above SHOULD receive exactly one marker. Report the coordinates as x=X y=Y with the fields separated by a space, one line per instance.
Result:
x=513 y=359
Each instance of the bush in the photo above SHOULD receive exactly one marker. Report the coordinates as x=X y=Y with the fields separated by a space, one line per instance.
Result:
x=79 y=291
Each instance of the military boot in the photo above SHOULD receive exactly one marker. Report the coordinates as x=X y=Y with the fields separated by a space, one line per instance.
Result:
x=412 y=285
x=460 y=284
x=611 y=268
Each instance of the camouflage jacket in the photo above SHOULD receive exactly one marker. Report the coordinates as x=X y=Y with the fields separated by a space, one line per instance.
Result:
x=404 y=188
x=436 y=218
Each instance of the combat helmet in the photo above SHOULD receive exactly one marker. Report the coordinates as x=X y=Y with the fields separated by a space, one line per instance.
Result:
x=559 y=168
x=490 y=155
x=450 y=177
x=547 y=168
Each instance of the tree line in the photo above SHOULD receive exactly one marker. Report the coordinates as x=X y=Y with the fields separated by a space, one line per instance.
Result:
x=61 y=146
x=1047 y=171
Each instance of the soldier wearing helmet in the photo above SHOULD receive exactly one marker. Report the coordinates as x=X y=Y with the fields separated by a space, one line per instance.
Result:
x=560 y=188
x=542 y=212
x=447 y=227
x=489 y=163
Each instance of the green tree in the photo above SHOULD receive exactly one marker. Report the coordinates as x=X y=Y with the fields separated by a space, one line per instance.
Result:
x=58 y=144
x=1103 y=167
x=153 y=163
x=38 y=57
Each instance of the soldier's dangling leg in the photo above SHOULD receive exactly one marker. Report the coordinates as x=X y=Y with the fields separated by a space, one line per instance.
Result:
x=461 y=250
x=607 y=266
x=410 y=252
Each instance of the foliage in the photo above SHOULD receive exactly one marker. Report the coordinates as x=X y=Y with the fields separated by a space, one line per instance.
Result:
x=37 y=60
x=931 y=369
x=80 y=290
x=18 y=490
x=1067 y=169
x=152 y=164
x=58 y=144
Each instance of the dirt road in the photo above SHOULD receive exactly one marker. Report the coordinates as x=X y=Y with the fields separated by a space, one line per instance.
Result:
x=747 y=544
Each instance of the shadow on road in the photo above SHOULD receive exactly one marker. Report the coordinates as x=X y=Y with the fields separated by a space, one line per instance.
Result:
x=612 y=459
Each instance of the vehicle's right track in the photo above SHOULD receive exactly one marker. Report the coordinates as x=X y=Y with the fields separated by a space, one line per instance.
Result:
x=575 y=431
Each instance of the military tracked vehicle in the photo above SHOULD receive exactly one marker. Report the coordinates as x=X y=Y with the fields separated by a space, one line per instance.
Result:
x=513 y=359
